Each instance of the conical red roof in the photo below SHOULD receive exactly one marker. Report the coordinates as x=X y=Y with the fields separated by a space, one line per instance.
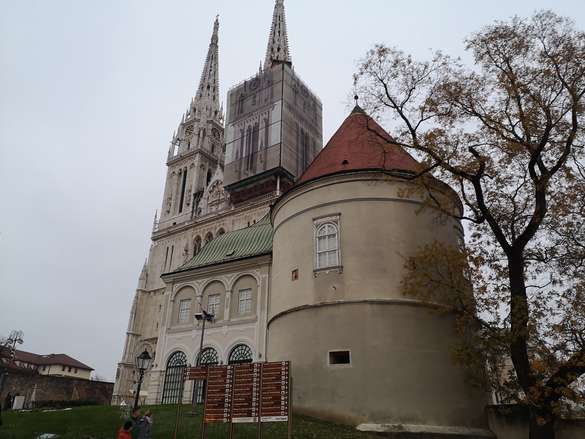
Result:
x=359 y=144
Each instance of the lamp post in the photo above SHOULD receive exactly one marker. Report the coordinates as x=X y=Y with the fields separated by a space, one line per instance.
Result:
x=142 y=363
x=203 y=316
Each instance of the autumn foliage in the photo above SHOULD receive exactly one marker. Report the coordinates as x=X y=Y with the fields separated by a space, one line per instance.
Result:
x=507 y=134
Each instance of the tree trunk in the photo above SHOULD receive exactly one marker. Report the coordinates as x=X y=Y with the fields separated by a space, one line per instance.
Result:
x=542 y=424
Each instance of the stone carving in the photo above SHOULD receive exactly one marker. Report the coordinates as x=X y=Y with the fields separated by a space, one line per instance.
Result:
x=185 y=252
x=214 y=196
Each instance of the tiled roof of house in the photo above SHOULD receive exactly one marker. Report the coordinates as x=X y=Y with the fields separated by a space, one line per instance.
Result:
x=49 y=359
x=360 y=144
x=251 y=241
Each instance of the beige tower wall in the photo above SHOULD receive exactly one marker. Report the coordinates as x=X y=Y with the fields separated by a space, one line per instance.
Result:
x=401 y=369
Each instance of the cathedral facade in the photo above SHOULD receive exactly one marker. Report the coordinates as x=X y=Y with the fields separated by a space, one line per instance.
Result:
x=297 y=251
x=222 y=177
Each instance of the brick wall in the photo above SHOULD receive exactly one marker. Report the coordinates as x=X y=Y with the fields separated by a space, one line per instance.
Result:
x=52 y=388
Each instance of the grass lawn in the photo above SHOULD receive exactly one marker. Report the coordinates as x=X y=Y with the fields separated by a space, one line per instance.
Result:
x=102 y=422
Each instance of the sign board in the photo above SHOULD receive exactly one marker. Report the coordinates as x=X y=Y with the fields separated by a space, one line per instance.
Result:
x=274 y=392
x=219 y=393
x=245 y=393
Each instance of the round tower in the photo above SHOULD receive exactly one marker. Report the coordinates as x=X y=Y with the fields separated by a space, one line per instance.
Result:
x=362 y=353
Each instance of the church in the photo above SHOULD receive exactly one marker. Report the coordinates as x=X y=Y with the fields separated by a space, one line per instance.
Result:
x=297 y=250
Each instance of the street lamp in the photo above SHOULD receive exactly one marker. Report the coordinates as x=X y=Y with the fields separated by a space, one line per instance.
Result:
x=203 y=316
x=142 y=363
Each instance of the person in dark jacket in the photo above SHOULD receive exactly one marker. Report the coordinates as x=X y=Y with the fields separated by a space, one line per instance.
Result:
x=134 y=419
x=145 y=425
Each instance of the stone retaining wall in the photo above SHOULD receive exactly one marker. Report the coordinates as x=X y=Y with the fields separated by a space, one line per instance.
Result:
x=36 y=388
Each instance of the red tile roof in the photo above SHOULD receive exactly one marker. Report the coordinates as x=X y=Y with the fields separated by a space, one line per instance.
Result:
x=360 y=144
x=50 y=359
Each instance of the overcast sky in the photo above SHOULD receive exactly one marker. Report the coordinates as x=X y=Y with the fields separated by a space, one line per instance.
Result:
x=90 y=93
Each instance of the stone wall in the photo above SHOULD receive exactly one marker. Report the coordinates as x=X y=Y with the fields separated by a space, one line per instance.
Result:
x=52 y=388
x=511 y=422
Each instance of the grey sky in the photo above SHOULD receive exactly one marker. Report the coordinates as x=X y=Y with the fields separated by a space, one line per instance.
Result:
x=90 y=93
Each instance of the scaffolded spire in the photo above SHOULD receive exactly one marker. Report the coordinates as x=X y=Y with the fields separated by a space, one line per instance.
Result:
x=277 y=50
x=207 y=97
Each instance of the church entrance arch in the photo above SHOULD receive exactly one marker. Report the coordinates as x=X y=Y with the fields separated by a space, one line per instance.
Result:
x=173 y=385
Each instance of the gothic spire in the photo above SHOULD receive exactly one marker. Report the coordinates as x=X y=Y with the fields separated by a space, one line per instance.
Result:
x=277 y=50
x=207 y=97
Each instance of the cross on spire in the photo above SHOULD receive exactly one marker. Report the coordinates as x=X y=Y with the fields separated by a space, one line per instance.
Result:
x=277 y=50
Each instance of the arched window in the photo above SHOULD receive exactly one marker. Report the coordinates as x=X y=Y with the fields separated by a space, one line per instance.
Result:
x=208 y=357
x=173 y=386
x=327 y=246
x=208 y=237
x=220 y=232
x=209 y=175
x=240 y=354
x=196 y=245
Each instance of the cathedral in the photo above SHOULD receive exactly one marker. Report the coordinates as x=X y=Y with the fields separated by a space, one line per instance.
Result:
x=297 y=251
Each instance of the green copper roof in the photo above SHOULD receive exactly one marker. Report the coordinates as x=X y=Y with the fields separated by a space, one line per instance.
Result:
x=255 y=240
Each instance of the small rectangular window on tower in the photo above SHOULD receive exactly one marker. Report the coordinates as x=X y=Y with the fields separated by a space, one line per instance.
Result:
x=295 y=274
x=339 y=357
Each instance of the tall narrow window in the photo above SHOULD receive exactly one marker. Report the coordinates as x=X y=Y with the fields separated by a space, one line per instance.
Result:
x=171 y=259
x=166 y=260
x=174 y=378
x=327 y=245
x=183 y=184
x=213 y=304
x=245 y=301
x=184 y=310
x=196 y=245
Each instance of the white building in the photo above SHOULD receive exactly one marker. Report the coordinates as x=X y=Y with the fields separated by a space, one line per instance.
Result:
x=274 y=129
x=298 y=251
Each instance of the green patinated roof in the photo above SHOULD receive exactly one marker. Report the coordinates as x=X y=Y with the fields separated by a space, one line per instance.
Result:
x=255 y=240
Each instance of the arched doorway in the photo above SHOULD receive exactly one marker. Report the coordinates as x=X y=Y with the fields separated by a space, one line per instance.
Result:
x=241 y=353
x=173 y=386
x=208 y=357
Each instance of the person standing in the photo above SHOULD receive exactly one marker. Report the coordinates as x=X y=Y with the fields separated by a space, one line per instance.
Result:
x=145 y=425
x=125 y=431
x=134 y=419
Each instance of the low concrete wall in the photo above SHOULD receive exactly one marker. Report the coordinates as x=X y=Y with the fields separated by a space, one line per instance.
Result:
x=511 y=422
x=52 y=388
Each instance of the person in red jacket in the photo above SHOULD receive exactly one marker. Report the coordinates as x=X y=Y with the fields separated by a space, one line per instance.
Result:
x=124 y=432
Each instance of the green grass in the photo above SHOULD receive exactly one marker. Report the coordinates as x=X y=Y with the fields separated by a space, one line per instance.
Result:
x=102 y=422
